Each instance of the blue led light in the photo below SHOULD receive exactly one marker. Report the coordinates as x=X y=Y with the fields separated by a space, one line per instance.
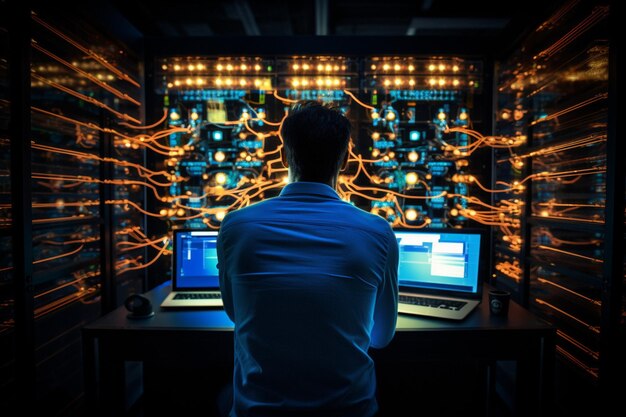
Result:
x=218 y=135
x=414 y=135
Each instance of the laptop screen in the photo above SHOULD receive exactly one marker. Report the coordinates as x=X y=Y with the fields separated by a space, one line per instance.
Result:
x=195 y=259
x=439 y=260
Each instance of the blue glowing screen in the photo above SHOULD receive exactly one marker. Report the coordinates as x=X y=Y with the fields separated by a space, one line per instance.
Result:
x=439 y=261
x=196 y=259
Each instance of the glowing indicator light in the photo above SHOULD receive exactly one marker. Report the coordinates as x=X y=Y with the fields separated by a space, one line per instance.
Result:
x=455 y=68
x=442 y=81
x=176 y=67
x=244 y=67
x=413 y=156
x=411 y=215
x=431 y=67
x=375 y=135
x=217 y=135
x=220 y=178
x=411 y=68
x=390 y=115
x=191 y=67
x=411 y=82
x=194 y=115
x=432 y=81
x=219 y=216
x=257 y=67
x=305 y=67
x=219 y=157
x=456 y=83
x=386 y=67
x=397 y=67
x=296 y=67
x=174 y=115
x=373 y=67
x=411 y=178
x=442 y=67
x=229 y=67
x=219 y=67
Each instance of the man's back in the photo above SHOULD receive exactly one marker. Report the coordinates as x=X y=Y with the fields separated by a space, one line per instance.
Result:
x=304 y=276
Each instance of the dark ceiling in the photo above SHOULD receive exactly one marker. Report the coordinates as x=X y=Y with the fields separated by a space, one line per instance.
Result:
x=184 y=18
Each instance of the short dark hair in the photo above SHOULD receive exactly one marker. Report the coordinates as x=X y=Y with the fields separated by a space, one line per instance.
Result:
x=316 y=138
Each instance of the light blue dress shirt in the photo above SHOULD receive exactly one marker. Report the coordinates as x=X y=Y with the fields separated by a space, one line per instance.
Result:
x=311 y=283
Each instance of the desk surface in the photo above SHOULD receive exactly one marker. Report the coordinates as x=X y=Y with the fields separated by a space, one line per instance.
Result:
x=217 y=320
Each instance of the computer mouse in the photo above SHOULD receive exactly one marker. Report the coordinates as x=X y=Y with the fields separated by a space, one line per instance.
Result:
x=139 y=307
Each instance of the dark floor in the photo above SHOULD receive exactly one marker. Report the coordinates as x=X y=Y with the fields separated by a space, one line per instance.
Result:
x=441 y=389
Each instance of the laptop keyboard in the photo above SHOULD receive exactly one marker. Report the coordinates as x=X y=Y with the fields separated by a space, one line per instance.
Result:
x=197 y=296
x=432 y=302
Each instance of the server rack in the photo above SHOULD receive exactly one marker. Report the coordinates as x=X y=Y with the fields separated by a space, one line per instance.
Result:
x=77 y=247
x=558 y=242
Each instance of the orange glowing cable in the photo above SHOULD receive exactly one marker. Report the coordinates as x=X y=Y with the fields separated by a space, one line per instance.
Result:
x=577 y=106
x=72 y=242
x=283 y=99
x=565 y=313
x=147 y=264
x=140 y=209
x=85 y=98
x=59 y=256
x=153 y=125
x=85 y=74
x=69 y=119
x=416 y=197
x=86 y=51
x=359 y=102
x=587 y=258
x=554 y=284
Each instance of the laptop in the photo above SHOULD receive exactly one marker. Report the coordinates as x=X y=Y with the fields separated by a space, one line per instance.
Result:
x=440 y=272
x=195 y=277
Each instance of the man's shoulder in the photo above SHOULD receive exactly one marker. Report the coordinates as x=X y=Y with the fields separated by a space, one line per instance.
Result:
x=248 y=213
x=368 y=221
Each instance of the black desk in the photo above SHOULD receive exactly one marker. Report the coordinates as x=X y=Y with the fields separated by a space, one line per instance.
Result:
x=112 y=340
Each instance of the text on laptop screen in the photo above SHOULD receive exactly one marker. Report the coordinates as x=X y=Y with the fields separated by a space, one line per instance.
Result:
x=439 y=260
x=196 y=260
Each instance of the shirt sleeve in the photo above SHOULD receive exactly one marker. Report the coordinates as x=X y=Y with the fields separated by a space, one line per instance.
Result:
x=386 y=309
x=225 y=284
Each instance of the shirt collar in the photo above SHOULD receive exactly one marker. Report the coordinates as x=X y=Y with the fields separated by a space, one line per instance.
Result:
x=303 y=187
